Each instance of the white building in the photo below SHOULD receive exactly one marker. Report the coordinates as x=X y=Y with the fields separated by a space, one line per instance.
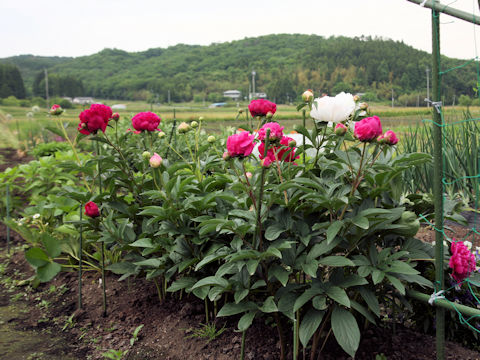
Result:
x=233 y=94
x=119 y=107
x=83 y=100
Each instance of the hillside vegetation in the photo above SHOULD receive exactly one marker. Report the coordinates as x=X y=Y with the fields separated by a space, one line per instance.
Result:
x=285 y=66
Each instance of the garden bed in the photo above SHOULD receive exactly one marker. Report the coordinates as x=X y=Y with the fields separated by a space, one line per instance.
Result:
x=168 y=326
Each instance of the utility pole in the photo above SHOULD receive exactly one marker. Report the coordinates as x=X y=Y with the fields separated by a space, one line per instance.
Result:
x=428 y=86
x=392 y=98
x=168 y=97
x=253 y=83
x=46 y=89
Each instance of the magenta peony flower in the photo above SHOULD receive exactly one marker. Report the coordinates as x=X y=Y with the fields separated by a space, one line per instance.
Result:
x=94 y=119
x=276 y=131
x=368 y=129
x=462 y=261
x=155 y=161
x=91 y=209
x=240 y=144
x=146 y=121
x=275 y=153
x=261 y=107
x=340 y=129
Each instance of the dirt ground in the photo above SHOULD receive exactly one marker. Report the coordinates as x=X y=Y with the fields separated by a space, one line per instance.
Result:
x=168 y=331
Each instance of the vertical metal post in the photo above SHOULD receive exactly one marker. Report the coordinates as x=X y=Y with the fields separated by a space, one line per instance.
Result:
x=80 y=260
x=437 y=184
x=8 y=218
x=47 y=97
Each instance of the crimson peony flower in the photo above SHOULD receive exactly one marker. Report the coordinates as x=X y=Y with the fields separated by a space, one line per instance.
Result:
x=240 y=145
x=462 y=261
x=275 y=153
x=368 y=129
x=91 y=209
x=146 y=121
x=94 y=119
x=261 y=107
x=276 y=131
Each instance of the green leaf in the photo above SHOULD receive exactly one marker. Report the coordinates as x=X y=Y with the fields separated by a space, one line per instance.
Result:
x=48 y=272
x=230 y=309
x=362 y=310
x=336 y=261
x=377 y=276
x=211 y=280
x=305 y=297
x=361 y=222
x=121 y=268
x=346 y=331
x=37 y=257
x=149 y=263
x=240 y=295
x=56 y=131
x=310 y=268
x=397 y=284
x=269 y=305
x=370 y=299
x=333 y=230
x=322 y=248
x=182 y=283
x=246 y=320
x=143 y=243
x=52 y=245
x=274 y=231
x=310 y=323
x=339 y=295
x=280 y=273
x=401 y=267
x=320 y=302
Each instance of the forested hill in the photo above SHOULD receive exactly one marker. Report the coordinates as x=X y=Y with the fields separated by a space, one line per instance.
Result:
x=285 y=65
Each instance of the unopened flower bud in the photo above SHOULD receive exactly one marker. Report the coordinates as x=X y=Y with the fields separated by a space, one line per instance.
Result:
x=292 y=143
x=183 y=128
x=240 y=111
x=356 y=98
x=194 y=124
x=226 y=156
x=146 y=154
x=116 y=116
x=269 y=115
x=363 y=106
x=161 y=134
x=248 y=174
x=200 y=118
x=155 y=161
x=266 y=162
x=307 y=96
x=56 y=110
x=211 y=139
x=340 y=129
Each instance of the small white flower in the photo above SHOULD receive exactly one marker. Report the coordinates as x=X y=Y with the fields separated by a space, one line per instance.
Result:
x=333 y=109
x=36 y=216
x=468 y=244
x=35 y=108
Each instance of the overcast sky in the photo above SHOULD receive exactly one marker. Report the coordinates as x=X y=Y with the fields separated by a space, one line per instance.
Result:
x=76 y=28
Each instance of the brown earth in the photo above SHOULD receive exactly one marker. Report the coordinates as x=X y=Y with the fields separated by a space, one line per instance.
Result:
x=169 y=326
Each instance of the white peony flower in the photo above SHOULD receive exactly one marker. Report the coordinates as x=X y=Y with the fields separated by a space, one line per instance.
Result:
x=333 y=109
x=468 y=244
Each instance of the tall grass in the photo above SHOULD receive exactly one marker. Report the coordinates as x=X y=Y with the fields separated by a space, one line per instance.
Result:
x=461 y=156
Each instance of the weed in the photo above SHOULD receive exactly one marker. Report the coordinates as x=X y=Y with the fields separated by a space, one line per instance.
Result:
x=207 y=331
x=16 y=297
x=134 y=337
x=69 y=323
x=114 y=354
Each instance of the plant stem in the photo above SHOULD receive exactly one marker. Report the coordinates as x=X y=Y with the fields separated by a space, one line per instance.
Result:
x=104 y=286
x=280 y=335
x=242 y=348
x=258 y=229
x=80 y=260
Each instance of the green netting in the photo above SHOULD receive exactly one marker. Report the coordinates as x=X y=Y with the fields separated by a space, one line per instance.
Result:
x=449 y=177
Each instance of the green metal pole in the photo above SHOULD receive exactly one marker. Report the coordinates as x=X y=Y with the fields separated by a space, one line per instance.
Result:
x=304 y=124
x=438 y=7
x=80 y=260
x=437 y=183
x=8 y=218
x=439 y=303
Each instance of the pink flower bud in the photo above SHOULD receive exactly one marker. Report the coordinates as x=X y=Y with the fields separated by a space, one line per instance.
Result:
x=269 y=115
x=248 y=174
x=340 y=129
x=226 y=156
x=266 y=162
x=155 y=161
x=356 y=98
x=363 y=106
x=183 y=128
x=292 y=143
x=307 y=96
x=116 y=116
x=390 y=138
x=56 y=110
x=91 y=209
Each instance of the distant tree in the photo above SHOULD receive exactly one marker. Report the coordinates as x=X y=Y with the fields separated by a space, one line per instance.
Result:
x=11 y=82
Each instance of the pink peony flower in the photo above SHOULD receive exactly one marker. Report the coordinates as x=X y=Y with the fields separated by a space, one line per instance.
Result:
x=155 y=161
x=462 y=261
x=275 y=153
x=94 y=119
x=368 y=129
x=390 y=138
x=276 y=131
x=146 y=121
x=240 y=144
x=340 y=129
x=261 y=107
x=91 y=209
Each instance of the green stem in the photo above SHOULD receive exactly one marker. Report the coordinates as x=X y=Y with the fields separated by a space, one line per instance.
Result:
x=242 y=348
x=8 y=217
x=104 y=286
x=258 y=229
x=99 y=168
x=80 y=260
